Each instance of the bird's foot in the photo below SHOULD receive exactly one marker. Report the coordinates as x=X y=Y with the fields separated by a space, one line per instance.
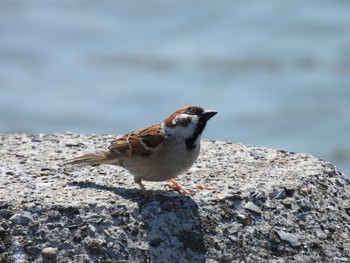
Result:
x=176 y=186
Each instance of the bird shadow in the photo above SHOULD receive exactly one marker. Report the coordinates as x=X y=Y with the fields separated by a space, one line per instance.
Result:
x=164 y=211
x=133 y=194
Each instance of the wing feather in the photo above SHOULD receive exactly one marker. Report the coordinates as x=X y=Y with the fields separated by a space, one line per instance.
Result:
x=139 y=143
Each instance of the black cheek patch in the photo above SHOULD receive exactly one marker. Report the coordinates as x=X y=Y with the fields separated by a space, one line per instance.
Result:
x=183 y=122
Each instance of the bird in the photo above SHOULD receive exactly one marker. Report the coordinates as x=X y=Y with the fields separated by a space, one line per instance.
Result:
x=159 y=152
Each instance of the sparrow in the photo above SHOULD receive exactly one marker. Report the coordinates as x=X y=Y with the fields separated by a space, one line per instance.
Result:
x=159 y=152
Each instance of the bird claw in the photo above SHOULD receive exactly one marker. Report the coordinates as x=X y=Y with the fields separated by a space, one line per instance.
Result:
x=176 y=186
x=200 y=187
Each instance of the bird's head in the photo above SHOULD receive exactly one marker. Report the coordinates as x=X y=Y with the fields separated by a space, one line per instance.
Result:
x=188 y=123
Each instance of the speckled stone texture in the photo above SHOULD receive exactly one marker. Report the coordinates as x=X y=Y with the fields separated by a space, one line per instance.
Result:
x=269 y=206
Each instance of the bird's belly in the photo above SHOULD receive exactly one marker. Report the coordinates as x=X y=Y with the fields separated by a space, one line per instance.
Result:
x=166 y=164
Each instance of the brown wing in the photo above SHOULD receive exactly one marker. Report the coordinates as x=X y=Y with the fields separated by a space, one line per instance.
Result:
x=140 y=142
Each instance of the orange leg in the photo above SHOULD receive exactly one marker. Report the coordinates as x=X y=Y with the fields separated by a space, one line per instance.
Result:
x=200 y=187
x=176 y=186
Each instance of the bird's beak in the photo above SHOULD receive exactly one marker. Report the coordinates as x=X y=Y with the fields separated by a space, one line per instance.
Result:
x=207 y=114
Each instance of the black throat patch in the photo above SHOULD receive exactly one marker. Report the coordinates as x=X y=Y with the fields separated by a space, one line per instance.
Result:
x=191 y=142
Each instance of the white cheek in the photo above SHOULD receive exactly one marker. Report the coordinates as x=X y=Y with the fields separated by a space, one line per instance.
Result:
x=185 y=116
x=183 y=131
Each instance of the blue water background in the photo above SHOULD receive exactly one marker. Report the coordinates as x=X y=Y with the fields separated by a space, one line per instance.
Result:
x=278 y=72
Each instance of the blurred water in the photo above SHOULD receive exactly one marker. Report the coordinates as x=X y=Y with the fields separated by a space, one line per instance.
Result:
x=277 y=71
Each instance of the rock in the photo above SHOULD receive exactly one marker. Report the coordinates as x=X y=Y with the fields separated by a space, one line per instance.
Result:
x=2 y=232
x=338 y=259
x=155 y=242
x=192 y=240
x=305 y=205
x=347 y=210
x=5 y=213
x=50 y=225
x=33 y=251
x=288 y=237
x=53 y=215
x=92 y=231
x=72 y=227
x=19 y=231
x=339 y=183
x=252 y=207
x=268 y=205
x=302 y=217
x=5 y=225
x=77 y=238
x=288 y=202
x=279 y=194
x=23 y=218
x=49 y=253
x=94 y=246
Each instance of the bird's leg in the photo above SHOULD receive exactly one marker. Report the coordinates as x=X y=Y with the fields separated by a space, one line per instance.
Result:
x=144 y=191
x=142 y=187
x=176 y=186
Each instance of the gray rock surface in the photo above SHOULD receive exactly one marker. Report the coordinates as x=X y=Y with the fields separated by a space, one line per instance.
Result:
x=269 y=206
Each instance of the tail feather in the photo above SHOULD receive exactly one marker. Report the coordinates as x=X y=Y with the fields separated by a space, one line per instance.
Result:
x=89 y=159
